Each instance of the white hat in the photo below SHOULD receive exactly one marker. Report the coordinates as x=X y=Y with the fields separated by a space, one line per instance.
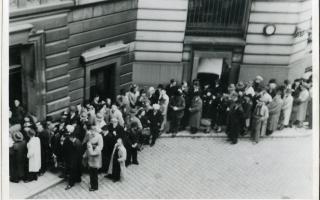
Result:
x=70 y=128
x=156 y=106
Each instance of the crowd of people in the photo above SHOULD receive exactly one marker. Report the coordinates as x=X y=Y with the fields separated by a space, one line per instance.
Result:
x=105 y=136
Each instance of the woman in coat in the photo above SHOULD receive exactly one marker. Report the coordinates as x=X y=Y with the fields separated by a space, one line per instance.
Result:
x=195 y=113
x=34 y=155
x=19 y=157
x=93 y=153
x=286 y=108
x=303 y=104
x=117 y=165
x=259 y=119
x=274 y=112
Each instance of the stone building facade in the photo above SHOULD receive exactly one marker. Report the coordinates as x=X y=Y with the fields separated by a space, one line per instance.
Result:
x=62 y=52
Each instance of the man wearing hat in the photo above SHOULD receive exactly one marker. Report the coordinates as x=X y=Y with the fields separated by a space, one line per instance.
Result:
x=73 y=117
x=75 y=163
x=195 y=112
x=132 y=118
x=235 y=119
x=258 y=82
x=67 y=150
x=132 y=149
x=177 y=105
x=18 y=157
x=154 y=120
x=260 y=118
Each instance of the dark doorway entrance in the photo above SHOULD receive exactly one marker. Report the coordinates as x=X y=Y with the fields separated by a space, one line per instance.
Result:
x=15 y=76
x=207 y=79
x=211 y=78
x=102 y=82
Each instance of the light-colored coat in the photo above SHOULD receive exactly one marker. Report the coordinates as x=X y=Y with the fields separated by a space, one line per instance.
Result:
x=302 y=107
x=287 y=108
x=274 y=112
x=93 y=153
x=118 y=115
x=259 y=123
x=34 y=154
x=195 y=112
x=122 y=154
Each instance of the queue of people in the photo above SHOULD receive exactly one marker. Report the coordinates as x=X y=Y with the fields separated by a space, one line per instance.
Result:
x=105 y=136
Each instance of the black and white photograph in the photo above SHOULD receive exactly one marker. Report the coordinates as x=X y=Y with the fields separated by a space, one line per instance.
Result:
x=160 y=99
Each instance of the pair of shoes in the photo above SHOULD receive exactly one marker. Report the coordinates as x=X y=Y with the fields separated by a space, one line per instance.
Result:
x=234 y=142
x=135 y=163
x=115 y=180
x=109 y=176
x=68 y=187
x=14 y=180
x=28 y=180
x=93 y=189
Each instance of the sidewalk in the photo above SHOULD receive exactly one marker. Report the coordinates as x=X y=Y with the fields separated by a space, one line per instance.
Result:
x=23 y=190
x=285 y=133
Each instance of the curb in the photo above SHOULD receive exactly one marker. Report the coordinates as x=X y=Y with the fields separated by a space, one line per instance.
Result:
x=45 y=188
x=223 y=135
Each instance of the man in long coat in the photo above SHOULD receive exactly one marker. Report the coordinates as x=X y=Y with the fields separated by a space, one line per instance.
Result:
x=235 y=119
x=75 y=161
x=44 y=137
x=195 y=113
x=177 y=105
x=274 y=112
x=18 y=158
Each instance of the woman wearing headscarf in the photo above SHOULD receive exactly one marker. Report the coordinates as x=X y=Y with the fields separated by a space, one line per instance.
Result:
x=117 y=166
x=274 y=112
x=286 y=108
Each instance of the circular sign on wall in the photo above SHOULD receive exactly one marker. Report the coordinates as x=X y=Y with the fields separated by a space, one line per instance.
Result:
x=269 y=29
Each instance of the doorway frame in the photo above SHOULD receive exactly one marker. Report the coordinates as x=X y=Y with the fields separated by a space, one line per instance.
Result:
x=99 y=64
x=197 y=55
x=33 y=77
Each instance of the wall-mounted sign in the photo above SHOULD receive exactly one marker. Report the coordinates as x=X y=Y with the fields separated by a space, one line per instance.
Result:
x=269 y=29
x=298 y=32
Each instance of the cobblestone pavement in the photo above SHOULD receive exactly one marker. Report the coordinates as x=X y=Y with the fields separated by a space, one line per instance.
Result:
x=209 y=168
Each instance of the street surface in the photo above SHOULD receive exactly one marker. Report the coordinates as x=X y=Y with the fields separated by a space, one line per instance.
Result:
x=209 y=168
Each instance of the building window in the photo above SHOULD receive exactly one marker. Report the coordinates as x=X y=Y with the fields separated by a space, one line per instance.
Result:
x=14 y=4
x=217 y=17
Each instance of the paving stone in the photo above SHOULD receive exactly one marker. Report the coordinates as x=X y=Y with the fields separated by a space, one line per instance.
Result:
x=208 y=168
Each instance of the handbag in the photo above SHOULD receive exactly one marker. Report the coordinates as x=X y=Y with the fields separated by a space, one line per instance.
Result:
x=205 y=122
x=145 y=131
